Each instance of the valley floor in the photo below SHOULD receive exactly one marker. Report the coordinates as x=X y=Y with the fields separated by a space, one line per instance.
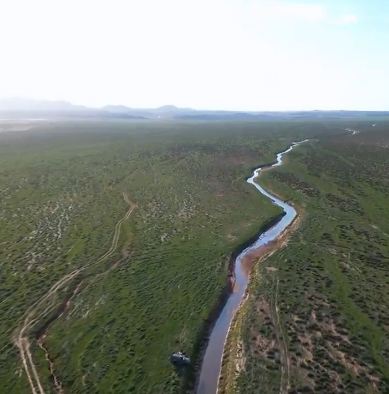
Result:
x=316 y=319
x=97 y=290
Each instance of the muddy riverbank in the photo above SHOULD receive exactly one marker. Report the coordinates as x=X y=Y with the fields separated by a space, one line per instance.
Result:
x=238 y=278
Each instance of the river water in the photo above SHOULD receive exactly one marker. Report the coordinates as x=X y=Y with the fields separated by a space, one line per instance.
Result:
x=211 y=363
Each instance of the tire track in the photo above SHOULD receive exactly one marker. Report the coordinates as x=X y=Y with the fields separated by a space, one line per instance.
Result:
x=34 y=314
x=284 y=352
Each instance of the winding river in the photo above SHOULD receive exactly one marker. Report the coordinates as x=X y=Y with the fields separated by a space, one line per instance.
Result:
x=212 y=360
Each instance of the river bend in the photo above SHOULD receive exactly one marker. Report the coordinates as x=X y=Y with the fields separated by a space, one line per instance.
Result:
x=212 y=360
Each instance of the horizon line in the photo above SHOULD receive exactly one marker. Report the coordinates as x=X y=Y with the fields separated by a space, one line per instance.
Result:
x=173 y=106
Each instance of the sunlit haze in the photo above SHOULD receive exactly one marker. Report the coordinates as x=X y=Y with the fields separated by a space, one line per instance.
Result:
x=231 y=54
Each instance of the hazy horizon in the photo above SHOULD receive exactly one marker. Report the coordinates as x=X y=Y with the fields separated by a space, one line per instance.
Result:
x=252 y=55
x=17 y=101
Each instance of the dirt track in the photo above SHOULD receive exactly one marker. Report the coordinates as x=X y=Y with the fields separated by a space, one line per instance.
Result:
x=39 y=310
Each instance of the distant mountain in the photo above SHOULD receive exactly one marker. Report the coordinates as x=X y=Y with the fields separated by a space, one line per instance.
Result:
x=116 y=109
x=164 y=112
x=172 y=109
x=20 y=104
x=16 y=108
x=169 y=108
x=26 y=108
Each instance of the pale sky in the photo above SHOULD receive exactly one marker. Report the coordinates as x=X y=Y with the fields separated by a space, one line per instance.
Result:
x=205 y=54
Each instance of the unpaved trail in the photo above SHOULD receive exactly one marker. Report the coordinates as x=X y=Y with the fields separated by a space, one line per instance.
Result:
x=39 y=310
x=284 y=353
x=57 y=383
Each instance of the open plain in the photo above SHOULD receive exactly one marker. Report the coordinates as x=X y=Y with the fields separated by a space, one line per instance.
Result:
x=115 y=245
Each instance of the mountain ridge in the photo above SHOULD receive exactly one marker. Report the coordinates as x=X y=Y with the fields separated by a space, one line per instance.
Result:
x=23 y=107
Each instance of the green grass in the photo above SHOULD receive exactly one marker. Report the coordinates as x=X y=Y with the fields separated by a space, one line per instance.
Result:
x=335 y=266
x=61 y=187
x=61 y=191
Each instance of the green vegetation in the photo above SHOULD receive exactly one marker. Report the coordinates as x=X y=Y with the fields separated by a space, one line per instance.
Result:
x=317 y=316
x=165 y=204
x=112 y=324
